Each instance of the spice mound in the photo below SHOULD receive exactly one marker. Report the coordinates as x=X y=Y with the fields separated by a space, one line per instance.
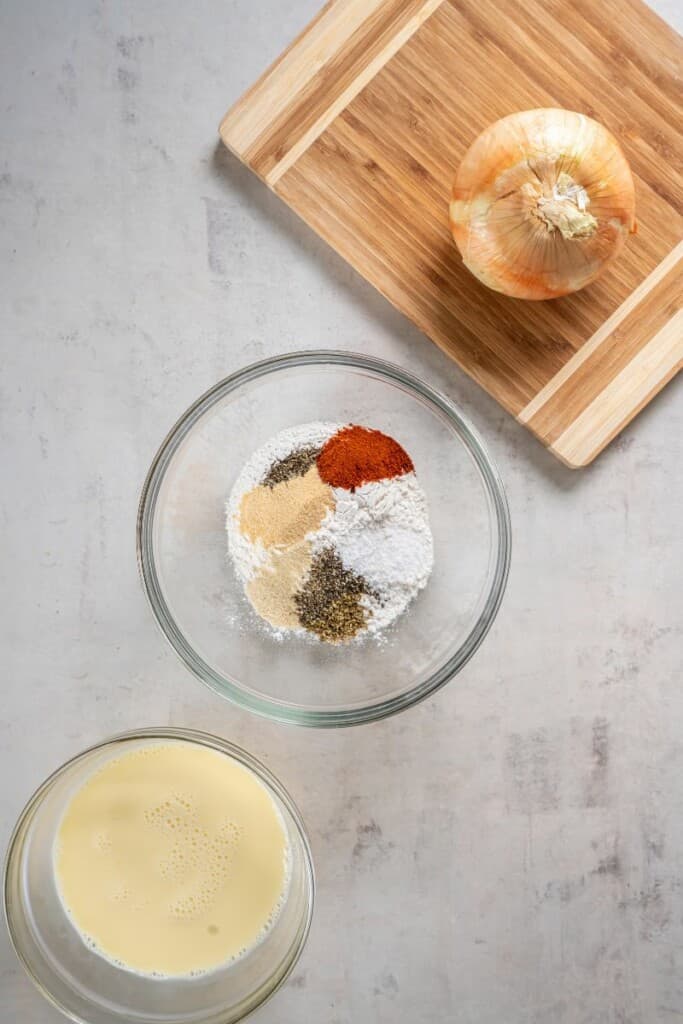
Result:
x=328 y=531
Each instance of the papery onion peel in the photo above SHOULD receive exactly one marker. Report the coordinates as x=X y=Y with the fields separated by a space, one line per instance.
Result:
x=542 y=201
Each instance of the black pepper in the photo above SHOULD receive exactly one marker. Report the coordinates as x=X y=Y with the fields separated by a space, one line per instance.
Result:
x=329 y=603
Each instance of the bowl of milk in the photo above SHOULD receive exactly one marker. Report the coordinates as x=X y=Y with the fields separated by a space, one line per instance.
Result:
x=162 y=875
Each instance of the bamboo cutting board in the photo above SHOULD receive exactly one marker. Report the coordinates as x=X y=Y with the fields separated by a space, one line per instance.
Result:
x=360 y=126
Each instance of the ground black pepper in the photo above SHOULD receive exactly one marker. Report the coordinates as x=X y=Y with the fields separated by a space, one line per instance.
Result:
x=297 y=463
x=329 y=603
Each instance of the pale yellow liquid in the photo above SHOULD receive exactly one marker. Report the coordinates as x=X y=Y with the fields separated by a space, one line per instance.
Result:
x=172 y=859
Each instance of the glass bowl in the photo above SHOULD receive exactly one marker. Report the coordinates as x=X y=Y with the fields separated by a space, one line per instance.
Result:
x=92 y=990
x=199 y=602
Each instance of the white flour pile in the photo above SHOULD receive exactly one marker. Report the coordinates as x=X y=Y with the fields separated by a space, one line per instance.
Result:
x=381 y=531
x=333 y=561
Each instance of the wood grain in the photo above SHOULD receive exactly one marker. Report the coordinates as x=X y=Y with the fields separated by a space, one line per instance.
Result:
x=652 y=366
x=316 y=79
x=361 y=124
x=613 y=349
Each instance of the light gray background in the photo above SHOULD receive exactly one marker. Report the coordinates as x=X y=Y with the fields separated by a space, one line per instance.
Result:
x=509 y=852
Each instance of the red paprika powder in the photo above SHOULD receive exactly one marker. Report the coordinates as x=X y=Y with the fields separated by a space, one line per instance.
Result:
x=357 y=455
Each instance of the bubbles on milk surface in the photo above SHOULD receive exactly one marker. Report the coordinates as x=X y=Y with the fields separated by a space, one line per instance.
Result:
x=183 y=846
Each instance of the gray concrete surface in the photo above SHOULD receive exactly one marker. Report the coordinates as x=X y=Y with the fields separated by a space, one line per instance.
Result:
x=507 y=853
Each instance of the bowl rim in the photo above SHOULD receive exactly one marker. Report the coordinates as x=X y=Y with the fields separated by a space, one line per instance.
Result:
x=229 y=687
x=261 y=995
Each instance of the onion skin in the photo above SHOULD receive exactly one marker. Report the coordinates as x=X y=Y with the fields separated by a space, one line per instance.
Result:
x=543 y=200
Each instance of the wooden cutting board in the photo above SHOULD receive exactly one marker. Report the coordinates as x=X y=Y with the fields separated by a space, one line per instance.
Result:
x=360 y=126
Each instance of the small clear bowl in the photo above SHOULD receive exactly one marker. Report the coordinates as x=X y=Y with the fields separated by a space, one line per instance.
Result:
x=92 y=990
x=199 y=603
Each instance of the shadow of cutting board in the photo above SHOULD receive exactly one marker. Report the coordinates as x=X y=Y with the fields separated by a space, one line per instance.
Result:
x=360 y=126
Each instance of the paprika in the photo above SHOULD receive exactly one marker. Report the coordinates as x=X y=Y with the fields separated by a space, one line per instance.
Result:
x=358 y=455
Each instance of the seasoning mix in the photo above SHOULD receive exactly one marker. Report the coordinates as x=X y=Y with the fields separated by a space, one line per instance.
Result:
x=328 y=530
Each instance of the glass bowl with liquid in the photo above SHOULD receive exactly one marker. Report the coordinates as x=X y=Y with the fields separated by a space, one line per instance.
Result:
x=96 y=985
x=199 y=602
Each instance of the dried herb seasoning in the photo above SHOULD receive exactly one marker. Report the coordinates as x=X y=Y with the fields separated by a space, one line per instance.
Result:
x=297 y=463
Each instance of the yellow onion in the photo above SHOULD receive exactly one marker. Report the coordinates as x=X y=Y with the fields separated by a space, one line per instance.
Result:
x=542 y=201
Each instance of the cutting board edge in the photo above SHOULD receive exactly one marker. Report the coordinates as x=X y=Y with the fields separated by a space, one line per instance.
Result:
x=629 y=391
x=338 y=33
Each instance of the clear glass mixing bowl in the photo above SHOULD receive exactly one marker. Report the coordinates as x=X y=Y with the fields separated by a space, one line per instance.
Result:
x=199 y=603
x=90 y=989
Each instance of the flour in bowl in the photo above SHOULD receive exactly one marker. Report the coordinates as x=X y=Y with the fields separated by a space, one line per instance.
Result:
x=328 y=530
